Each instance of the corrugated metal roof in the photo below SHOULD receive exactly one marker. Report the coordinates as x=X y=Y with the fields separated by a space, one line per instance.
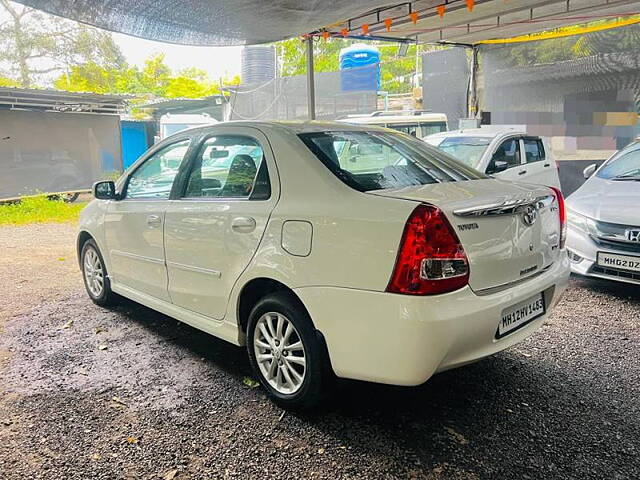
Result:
x=56 y=100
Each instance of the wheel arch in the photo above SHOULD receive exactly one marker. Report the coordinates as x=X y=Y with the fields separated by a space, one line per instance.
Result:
x=83 y=236
x=254 y=290
x=258 y=287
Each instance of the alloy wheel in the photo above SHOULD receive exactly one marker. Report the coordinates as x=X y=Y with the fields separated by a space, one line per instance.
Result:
x=93 y=272
x=280 y=353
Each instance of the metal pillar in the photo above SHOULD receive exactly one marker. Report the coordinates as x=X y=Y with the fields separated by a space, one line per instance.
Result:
x=472 y=94
x=311 y=86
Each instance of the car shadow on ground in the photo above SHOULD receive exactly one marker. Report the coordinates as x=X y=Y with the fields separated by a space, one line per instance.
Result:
x=619 y=290
x=522 y=413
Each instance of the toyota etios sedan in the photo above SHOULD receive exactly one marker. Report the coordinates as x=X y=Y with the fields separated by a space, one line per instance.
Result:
x=327 y=248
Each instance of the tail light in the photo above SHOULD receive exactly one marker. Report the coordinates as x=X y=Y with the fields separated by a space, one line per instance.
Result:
x=431 y=259
x=562 y=214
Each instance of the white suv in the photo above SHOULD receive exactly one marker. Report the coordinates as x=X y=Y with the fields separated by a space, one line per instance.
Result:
x=506 y=154
x=327 y=249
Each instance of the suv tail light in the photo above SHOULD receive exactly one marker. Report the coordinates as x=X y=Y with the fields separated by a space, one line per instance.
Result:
x=431 y=259
x=562 y=214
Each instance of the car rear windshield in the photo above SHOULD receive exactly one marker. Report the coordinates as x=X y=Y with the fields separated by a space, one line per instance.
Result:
x=374 y=160
x=466 y=149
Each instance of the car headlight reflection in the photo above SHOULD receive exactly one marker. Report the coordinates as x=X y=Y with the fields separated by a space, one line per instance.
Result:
x=580 y=222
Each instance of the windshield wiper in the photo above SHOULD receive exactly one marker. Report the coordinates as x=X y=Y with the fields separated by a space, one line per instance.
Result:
x=621 y=178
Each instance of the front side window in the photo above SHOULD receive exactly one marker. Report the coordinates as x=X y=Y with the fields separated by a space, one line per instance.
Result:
x=380 y=160
x=507 y=155
x=154 y=178
x=625 y=165
x=533 y=150
x=228 y=166
x=466 y=149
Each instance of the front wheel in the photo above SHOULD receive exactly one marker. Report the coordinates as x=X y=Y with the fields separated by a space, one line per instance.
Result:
x=94 y=273
x=285 y=352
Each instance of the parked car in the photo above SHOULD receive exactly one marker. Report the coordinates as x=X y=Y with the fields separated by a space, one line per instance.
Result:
x=346 y=250
x=505 y=154
x=414 y=122
x=603 y=220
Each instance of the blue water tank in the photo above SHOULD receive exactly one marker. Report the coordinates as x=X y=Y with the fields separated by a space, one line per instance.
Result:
x=360 y=68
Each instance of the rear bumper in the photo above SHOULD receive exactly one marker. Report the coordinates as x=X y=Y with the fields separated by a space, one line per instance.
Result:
x=404 y=340
x=583 y=252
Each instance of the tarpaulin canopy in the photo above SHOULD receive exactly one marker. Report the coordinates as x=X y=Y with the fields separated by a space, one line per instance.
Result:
x=242 y=22
x=206 y=22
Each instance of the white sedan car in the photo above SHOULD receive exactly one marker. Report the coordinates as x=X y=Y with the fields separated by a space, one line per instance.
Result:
x=327 y=249
x=504 y=154
x=603 y=221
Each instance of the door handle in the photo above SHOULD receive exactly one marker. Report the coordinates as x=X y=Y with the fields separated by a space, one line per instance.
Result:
x=154 y=220
x=522 y=172
x=243 y=224
x=547 y=165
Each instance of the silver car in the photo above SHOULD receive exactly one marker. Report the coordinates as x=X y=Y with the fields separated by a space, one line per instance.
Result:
x=604 y=221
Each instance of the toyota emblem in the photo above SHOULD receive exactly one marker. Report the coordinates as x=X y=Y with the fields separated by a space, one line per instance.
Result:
x=529 y=215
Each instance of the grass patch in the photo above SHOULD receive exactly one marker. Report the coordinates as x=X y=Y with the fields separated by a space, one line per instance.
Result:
x=39 y=210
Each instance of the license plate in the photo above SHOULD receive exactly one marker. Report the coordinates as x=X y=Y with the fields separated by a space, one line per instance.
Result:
x=621 y=262
x=520 y=314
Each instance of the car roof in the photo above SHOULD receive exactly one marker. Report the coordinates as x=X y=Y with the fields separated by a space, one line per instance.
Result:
x=478 y=132
x=296 y=126
x=395 y=119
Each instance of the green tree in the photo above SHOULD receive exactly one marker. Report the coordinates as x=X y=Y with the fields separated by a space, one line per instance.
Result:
x=7 y=82
x=396 y=72
x=154 y=79
x=36 y=45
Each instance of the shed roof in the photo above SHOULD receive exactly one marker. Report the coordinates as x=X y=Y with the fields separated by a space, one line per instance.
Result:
x=59 y=101
x=240 y=22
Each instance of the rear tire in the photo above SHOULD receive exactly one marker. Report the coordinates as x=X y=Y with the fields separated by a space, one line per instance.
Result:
x=95 y=276
x=285 y=351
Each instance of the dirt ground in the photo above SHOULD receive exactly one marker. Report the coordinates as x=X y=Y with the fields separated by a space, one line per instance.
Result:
x=129 y=393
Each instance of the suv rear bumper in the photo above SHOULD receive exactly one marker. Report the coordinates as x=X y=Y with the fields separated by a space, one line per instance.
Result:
x=404 y=340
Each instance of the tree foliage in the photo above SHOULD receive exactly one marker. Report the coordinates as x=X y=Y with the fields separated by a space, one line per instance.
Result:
x=36 y=46
x=623 y=39
x=396 y=72
x=155 y=78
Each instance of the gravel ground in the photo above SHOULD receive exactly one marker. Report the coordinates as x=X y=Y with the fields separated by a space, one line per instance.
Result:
x=129 y=393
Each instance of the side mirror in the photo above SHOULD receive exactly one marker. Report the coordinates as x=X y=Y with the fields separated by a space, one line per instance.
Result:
x=497 y=166
x=104 y=190
x=587 y=172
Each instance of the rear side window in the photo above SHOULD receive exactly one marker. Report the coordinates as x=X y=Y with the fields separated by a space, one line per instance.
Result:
x=228 y=166
x=380 y=160
x=533 y=150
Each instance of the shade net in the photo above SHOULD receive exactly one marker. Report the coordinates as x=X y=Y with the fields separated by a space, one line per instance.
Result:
x=285 y=98
x=582 y=92
x=206 y=22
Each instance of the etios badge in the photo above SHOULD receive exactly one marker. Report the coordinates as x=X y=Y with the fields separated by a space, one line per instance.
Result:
x=529 y=215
